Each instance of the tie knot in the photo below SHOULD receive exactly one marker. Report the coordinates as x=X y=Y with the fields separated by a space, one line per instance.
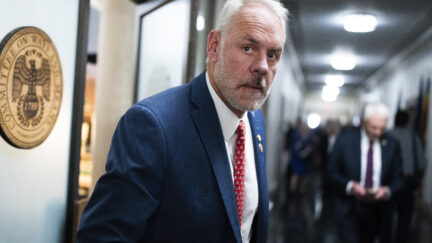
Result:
x=241 y=128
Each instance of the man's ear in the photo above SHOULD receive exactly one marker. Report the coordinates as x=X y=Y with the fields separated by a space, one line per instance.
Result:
x=213 y=45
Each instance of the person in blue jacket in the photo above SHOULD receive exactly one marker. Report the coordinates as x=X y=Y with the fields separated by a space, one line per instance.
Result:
x=171 y=167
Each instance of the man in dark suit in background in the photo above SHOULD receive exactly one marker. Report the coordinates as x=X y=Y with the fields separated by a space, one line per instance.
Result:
x=365 y=172
x=188 y=164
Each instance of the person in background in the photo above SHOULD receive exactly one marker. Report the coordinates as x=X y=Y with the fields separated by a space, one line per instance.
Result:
x=364 y=171
x=413 y=165
x=301 y=148
x=188 y=164
x=332 y=128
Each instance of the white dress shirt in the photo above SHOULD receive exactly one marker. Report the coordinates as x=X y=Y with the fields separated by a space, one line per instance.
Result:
x=376 y=176
x=229 y=123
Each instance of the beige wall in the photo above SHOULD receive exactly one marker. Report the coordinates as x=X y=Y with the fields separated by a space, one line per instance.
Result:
x=114 y=76
x=33 y=182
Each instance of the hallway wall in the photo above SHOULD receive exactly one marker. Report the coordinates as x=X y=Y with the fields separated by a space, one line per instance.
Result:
x=33 y=182
x=281 y=108
x=160 y=58
x=115 y=80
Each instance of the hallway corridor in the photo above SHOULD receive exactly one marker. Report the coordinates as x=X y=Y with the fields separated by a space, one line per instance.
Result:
x=307 y=218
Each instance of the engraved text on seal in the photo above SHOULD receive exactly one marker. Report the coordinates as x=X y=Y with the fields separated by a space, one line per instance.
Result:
x=30 y=87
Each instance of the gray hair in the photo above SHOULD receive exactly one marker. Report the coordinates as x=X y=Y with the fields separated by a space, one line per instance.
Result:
x=231 y=7
x=376 y=109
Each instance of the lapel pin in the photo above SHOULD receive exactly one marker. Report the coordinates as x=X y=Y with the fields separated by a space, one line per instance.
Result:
x=384 y=142
x=259 y=138
x=260 y=148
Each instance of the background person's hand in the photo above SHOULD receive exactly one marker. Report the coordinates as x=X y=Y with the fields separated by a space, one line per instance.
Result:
x=382 y=193
x=358 y=190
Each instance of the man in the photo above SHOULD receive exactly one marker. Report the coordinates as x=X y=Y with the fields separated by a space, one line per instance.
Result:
x=175 y=157
x=413 y=165
x=364 y=172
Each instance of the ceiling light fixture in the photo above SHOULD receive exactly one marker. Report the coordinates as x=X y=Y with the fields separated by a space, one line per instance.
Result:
x=330 y=93
x=200 y=24
x=343 y=62
x=335 y=80
x=313 y=120
x=360 y=23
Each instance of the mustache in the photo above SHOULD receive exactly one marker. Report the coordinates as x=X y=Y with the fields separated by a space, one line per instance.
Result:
x=257 y=83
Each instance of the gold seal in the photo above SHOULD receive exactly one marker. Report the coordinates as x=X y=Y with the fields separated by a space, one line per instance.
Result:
x=31 y=87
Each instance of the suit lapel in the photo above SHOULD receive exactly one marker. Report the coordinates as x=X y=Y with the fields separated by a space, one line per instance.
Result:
x=357 y=154
x=258 y=137
x=385 y=156
x=208 y=125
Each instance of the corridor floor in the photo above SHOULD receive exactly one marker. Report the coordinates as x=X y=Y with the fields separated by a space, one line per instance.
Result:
x=307 y=219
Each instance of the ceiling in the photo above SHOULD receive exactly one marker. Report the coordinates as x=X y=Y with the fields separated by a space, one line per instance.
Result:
x=317 y=33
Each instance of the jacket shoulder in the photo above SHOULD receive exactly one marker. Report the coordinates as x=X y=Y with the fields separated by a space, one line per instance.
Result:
x=349 y=133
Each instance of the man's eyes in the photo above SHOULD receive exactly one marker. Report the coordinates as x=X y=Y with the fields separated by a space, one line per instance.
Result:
x=271 y=55
x=247 y=48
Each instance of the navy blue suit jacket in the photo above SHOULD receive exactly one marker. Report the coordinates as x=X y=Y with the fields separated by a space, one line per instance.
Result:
x=345 y=165
x=168 y=177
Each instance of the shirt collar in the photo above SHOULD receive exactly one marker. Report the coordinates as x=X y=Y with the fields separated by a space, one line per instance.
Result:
x=228 y=120
x=365 y=137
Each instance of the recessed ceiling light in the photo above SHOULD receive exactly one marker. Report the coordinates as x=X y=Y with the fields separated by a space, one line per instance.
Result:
x=313 y=120
x=330 y=93
x=360 y=23
x=335 y=80
x=343 y=62
x=200 y=24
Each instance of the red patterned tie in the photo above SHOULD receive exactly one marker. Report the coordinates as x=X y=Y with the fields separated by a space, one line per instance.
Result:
x=239 y=169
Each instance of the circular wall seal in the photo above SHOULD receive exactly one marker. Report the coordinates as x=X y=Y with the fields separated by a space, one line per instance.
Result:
x=31 y=87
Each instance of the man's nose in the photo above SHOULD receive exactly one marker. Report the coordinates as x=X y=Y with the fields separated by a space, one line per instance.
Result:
x=378 y=132
x=260 y=65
